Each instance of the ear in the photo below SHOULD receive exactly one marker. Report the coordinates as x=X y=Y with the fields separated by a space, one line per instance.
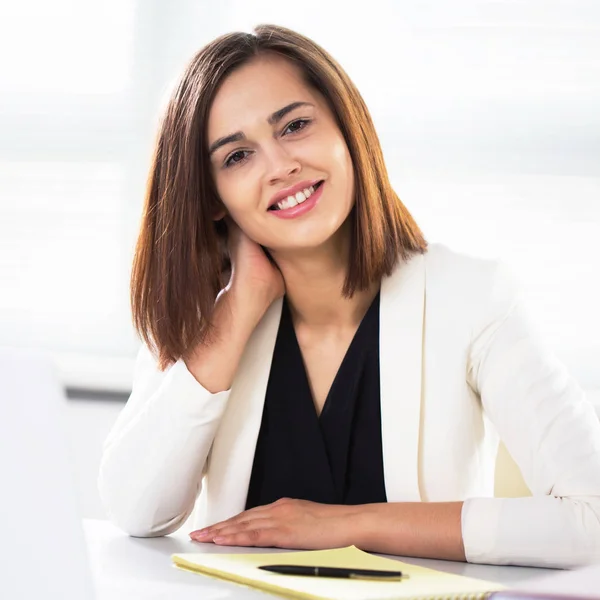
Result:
x=219 y=215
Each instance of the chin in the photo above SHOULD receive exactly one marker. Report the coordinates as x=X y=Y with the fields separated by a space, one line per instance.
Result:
x=309 y=232
x=307 y=240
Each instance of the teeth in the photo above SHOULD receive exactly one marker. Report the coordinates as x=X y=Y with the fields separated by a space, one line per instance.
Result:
x=299 y=198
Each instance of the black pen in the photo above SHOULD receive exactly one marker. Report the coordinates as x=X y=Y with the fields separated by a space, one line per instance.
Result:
x=334 y=572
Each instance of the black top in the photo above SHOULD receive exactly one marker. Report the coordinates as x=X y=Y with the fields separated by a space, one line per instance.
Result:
x=334 y=458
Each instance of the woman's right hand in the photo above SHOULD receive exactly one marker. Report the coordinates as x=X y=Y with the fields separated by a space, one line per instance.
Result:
x=255 y=279
x=255 y=283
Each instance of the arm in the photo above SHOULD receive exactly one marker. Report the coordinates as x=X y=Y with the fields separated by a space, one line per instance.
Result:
x=551 y=431
x=154 y=457
x=424 y=529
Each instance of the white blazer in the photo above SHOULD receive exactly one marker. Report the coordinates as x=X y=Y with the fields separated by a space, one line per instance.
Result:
x=460 y=367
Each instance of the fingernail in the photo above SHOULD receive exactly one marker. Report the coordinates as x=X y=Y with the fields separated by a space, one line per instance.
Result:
x=219 y=539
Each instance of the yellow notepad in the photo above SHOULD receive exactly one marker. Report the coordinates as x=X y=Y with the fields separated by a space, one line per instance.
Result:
x=422 y=583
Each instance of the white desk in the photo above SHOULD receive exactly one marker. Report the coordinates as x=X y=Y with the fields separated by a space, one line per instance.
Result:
x=136 y=569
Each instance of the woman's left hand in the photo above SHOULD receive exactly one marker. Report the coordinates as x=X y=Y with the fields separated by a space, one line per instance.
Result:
x=287 y=523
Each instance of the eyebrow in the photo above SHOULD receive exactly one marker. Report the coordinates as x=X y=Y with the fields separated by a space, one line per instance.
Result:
x=272 y=120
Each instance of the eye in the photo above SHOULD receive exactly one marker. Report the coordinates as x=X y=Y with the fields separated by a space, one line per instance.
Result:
x=236 y=158
x=296 y=126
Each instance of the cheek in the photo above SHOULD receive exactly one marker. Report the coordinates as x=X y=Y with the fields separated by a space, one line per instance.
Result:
x=340 y=152
x=236 y=194
x=343 y=164
x=240 y=195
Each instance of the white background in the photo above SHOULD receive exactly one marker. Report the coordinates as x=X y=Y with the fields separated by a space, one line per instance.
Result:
x=487 y=112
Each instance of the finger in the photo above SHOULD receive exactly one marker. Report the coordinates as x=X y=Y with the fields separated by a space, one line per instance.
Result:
x=269 y=537
x=207 y=533
x=243 y=526
x=218 y=524
x=246 y=515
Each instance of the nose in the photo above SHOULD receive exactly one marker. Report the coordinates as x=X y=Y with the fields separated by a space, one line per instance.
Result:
x=280 y=164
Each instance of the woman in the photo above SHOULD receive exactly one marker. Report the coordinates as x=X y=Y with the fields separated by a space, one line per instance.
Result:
x=329 y=379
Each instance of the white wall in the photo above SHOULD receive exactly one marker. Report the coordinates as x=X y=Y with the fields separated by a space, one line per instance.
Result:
x=487 y=112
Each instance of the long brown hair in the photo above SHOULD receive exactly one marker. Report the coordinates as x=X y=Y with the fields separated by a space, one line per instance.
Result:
x=177 y=269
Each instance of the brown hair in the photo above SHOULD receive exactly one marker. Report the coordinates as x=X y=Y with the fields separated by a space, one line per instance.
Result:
x=177 y=269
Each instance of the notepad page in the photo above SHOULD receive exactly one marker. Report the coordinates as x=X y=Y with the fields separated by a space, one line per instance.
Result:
x=422 y=584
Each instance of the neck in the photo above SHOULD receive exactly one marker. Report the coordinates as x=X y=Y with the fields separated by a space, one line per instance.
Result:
x=314 y=280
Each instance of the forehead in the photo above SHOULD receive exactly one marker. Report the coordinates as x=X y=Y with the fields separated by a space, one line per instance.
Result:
x=253 y=92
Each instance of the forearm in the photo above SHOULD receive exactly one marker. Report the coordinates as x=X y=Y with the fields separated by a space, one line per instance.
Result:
x=423 y=529
x=152 y=461
x=533 y=531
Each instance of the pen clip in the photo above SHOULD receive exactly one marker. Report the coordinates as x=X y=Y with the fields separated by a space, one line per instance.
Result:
x=374 y=578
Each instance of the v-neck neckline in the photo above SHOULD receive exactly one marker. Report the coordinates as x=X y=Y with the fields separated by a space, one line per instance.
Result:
x=350 y=351
x=333 y=457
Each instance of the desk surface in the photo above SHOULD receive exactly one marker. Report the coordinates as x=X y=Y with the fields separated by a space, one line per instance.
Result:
x=136 y=569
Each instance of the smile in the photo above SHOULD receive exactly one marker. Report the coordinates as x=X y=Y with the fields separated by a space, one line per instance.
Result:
x=296 y=199
x=298 y=204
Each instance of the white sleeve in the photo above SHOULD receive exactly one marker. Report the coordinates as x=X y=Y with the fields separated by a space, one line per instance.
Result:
x=552 y=432
x=154 y=457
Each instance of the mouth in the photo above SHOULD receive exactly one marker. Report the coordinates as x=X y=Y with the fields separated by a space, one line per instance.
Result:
x=296 y=199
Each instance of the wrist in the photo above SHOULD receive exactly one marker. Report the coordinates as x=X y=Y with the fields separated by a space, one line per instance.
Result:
x=251 y=304
x=364 y=526
x=359 y=523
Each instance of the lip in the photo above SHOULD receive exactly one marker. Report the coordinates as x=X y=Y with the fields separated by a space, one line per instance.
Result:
x=291 y=191
x=300 y=209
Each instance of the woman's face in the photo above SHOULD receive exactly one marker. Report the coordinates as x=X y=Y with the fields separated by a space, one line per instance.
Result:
x=273 y=137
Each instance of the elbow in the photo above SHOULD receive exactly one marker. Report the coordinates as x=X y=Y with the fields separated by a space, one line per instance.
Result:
x=138 y=515
x=144 y=520
x=140 y=527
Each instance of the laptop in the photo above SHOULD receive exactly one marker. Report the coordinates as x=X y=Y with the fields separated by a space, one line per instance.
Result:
x=42 y=547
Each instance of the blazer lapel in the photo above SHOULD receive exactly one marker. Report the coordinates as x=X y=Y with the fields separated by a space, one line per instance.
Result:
x=232 y=453
x=401 y=338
